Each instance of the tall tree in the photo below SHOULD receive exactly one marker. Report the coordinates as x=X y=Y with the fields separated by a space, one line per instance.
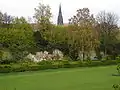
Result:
x=108 y=30
x=42 y=17
x=83 y=31
x=1 y=17
x=7 y=19
x=20 y=23
x=20 y=20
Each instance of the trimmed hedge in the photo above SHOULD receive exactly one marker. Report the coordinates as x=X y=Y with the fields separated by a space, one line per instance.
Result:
x=52 y=65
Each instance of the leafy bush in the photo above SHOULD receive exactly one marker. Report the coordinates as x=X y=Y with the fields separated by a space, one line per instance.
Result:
x=45 y=62
x=21 y=67
x=5 y=68
x=17 y=39
x=110 y=62
x=66 y=63
x=5 y=57
x=118 y=68
x=116 y=87
x=92 y=64
x=118 y=59
x=88 y=62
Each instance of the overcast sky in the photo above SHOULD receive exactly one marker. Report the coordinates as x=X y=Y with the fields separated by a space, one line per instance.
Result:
x=26 y=7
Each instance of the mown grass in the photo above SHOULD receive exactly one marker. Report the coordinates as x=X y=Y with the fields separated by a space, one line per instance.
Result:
x=96 y=78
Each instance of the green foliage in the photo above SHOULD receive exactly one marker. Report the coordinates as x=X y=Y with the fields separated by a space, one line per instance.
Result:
x=42 y=16
x=73 y=52
x=84 y=37
x=57 y=34
x=41 y=43
x=5 y=19
x=59 y=37
x=17 y=39
x=45 y=62
x=118 y=68
x=108 y=32
x=1 y=54
x=118 y=59
x=5 y=68
x=5 y=57
x=30 y=66
x=66 y=64
x=89 y=61
x=116 y=87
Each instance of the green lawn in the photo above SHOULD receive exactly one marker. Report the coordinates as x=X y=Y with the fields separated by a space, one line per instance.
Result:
x=97 y=78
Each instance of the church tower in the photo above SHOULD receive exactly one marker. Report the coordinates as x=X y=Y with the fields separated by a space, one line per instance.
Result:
x=60 y=17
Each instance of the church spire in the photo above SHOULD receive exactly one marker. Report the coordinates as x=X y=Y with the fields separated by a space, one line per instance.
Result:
x=60 y=17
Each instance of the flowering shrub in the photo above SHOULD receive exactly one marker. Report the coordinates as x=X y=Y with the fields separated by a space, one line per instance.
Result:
x=40 y=56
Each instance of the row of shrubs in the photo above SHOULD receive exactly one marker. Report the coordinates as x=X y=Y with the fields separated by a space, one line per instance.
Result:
x=26 y=66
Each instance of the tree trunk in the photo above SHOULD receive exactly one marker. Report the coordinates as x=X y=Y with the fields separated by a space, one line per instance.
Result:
x=83 y=56
x=105 y=51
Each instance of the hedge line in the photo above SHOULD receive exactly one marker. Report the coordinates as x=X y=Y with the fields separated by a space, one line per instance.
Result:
x=52 y=65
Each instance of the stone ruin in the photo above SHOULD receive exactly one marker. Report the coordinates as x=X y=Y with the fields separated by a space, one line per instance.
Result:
x=40 y=56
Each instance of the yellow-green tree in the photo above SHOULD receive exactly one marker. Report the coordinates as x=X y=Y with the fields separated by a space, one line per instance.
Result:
x=42 y=17
x=18 y=38
x=83 y=32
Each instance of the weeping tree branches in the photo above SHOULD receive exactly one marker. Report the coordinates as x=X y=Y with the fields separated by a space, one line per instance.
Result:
x=83 y=24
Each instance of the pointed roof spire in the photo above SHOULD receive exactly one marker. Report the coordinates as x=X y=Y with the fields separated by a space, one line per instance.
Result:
x=60 y=17
x=60 y=11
